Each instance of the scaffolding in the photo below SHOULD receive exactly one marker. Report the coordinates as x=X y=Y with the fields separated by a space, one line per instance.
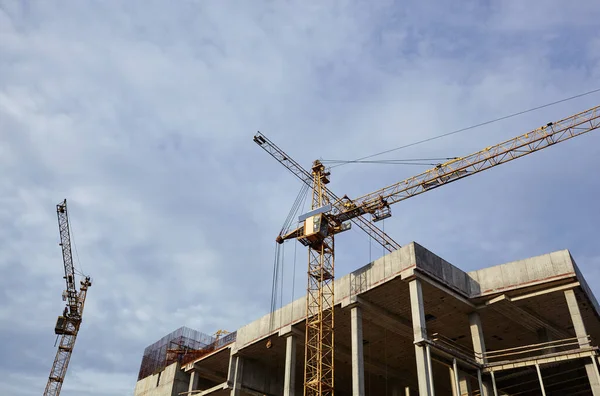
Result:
x=183 y=345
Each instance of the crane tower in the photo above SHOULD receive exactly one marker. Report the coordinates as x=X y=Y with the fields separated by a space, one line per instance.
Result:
x=67 y=325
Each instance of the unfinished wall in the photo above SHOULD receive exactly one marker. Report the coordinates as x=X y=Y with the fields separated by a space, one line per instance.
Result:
x=169 y=382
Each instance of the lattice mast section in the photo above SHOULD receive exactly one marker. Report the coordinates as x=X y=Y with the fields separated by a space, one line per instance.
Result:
x=319 y=342
x=67 y=325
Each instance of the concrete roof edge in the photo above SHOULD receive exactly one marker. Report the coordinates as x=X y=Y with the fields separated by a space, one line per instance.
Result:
x=523 y=273
x=584 y=286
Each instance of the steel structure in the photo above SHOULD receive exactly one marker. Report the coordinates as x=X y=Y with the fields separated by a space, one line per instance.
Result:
x=330 y=216
x=319 y=337
x=67 y=325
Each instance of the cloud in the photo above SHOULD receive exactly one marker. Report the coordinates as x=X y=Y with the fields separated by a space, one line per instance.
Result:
x=141 y=115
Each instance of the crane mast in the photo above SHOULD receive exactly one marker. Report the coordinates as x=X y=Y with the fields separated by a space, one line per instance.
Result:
x=319 y=336
x=330 y=215
x=67 y=325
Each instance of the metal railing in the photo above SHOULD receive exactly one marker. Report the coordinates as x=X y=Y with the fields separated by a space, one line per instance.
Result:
x=535 y=350
x=514 y=353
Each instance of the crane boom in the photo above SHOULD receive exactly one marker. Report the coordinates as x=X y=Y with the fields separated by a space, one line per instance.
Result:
x=65 y=244
x=67 y=325
x=377 y=203
x=371 y=229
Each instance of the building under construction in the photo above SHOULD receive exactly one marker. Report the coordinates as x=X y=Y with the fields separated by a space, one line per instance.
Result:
x=409 y=323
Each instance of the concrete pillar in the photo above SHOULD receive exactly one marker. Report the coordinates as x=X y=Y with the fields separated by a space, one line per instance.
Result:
x=289 y=383
x=464 y=382
x=235 y=375
x=479 y=349
x=454 y=382
x=417 y=306
x=358 y=368
x=581 y=334
x=477 y=337
x=193 y=381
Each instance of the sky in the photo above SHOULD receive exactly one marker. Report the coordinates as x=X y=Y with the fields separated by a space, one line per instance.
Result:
x=141 y=114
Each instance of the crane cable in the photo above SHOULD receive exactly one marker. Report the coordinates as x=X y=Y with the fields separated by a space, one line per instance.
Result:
x=77 y=271
x=277 y=282
x=469 y=128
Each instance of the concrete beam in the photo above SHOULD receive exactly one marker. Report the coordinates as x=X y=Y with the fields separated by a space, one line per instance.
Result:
x=212 y=375
x=520 y=297
x=215 y=388
x=546 y=291
x=290 y=330
x=441 y=286
x=386 y=319
x=527 y=319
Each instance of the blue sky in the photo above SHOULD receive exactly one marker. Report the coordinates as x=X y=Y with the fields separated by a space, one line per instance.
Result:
x=142 y=113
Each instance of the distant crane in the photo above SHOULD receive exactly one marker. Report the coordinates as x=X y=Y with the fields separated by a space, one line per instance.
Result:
x=330 y=216
x=67 y=325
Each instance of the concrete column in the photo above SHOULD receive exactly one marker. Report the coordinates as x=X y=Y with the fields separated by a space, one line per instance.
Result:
x=578 y=325
x=464 y=383
x=235 y=375
x=358 y=368
x=477 y=337
x=193 y=381
x=289 y=383
x=417 y=306
x=581 y=334
x=454 y=382
x=479 y=348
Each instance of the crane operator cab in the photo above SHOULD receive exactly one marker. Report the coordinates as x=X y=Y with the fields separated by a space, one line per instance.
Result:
x=65 y=324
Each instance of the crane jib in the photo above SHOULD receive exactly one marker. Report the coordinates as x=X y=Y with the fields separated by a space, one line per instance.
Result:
x=530 y=142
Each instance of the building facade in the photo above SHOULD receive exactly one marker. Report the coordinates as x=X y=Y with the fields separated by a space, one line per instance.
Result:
x=410 y=323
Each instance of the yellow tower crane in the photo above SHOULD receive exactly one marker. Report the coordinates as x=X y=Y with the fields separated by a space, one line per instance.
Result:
x=330 y=216
x=67 y=325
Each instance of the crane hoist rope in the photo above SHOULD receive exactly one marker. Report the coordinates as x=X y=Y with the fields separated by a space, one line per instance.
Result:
x=331 y=215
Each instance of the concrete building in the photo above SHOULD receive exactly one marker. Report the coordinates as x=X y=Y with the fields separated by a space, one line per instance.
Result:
x=410 y=323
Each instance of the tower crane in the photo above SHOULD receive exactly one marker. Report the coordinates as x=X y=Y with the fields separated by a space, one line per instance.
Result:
x=67 y=325
x=330 y=216
x=320 y=355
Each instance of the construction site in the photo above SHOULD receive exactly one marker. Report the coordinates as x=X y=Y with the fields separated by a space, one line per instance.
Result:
x=408 y=323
